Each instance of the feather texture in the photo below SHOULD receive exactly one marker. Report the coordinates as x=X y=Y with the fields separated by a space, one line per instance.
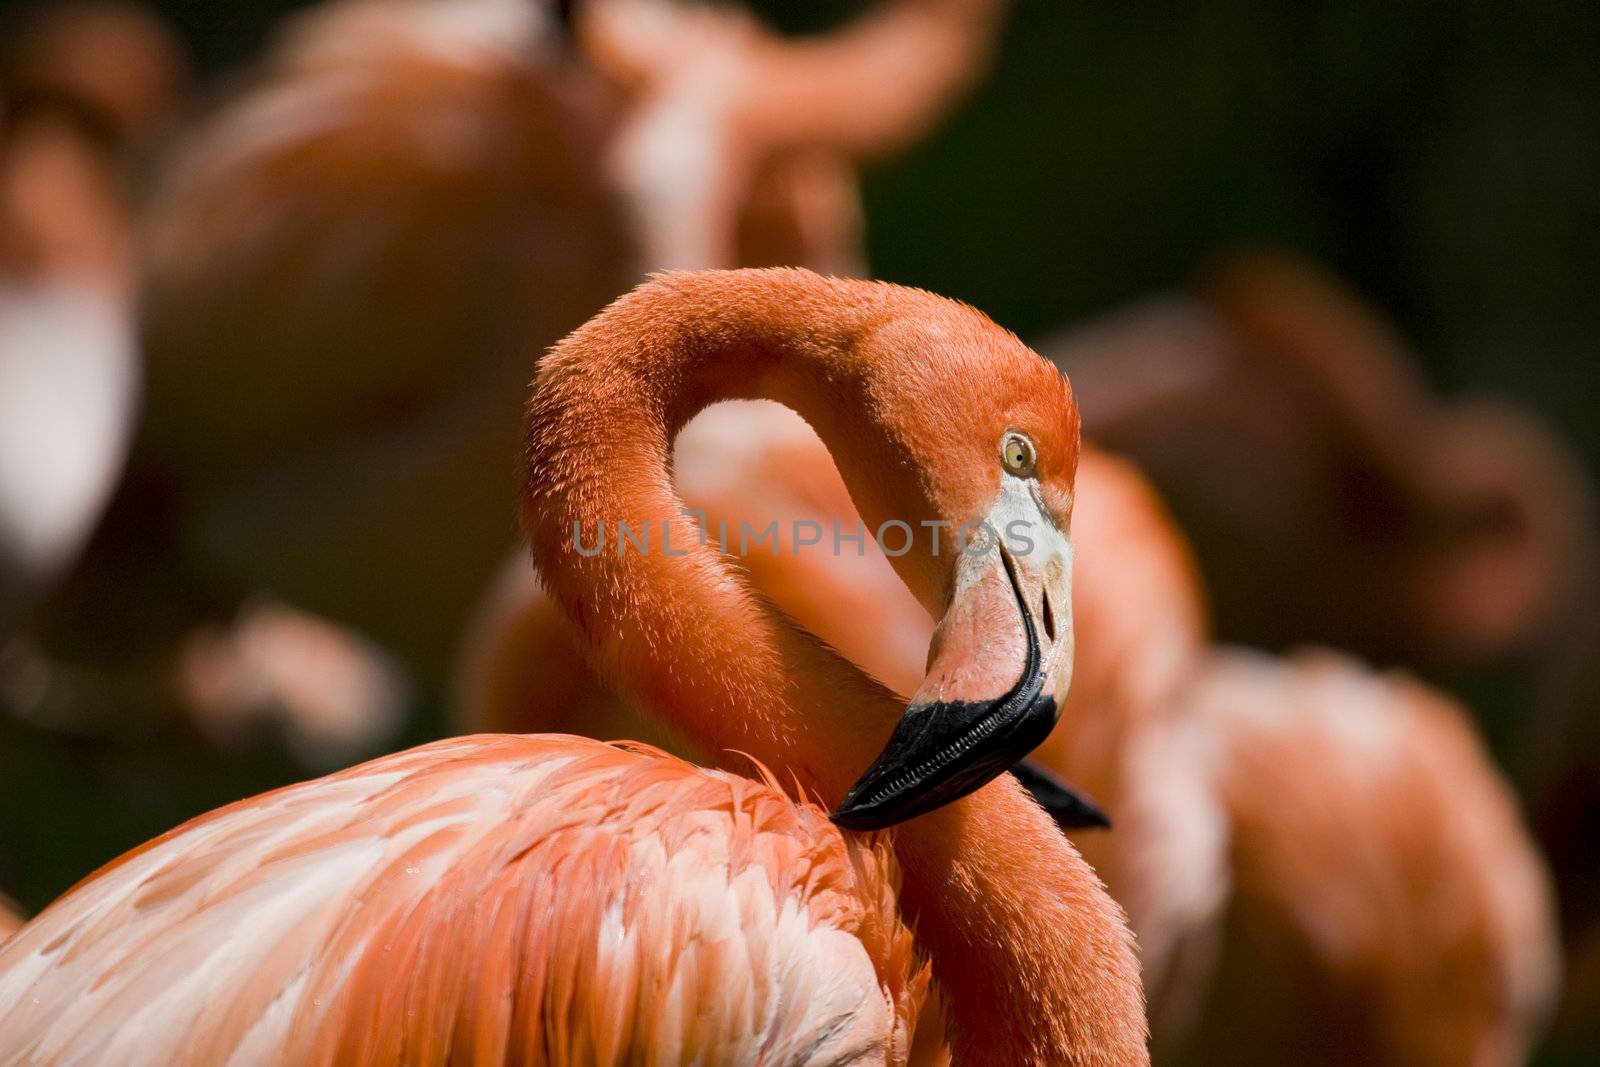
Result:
x=492 y=899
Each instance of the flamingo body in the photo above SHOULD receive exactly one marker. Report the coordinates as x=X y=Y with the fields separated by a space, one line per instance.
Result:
x=1352 y=816
x=493 y=899
x=1429 y=942
x=474 y=901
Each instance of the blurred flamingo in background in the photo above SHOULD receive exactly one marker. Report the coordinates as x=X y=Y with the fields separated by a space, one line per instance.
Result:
x=1378 y=871
x=1290 y=428
x=739 y=147
x=1318 y=860
x=568 y=900
x=1321 y=862
x=89 y=90
x=81 y=86
x=344 y=267
x=1287 y=423
x=348 y=264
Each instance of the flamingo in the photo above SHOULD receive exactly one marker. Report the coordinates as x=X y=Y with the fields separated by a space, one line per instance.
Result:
x=556 y=899
x=412 y=194
x=1357 y=881
x=1301 y=448
x=80 y=85
x=114 y=59
x=519 y=648
x=741 y=147
x=343 y=268
x=1454 y=524
x=1310 y=853
x=68 y=371
x=87 y=86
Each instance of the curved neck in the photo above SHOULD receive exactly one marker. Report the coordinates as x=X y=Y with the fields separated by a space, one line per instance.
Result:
x=671 y=620
x=1035 y=960
x=689 y=639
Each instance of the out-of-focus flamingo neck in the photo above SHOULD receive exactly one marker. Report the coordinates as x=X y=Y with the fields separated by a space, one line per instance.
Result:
x=1029 y=947
x=879 y=84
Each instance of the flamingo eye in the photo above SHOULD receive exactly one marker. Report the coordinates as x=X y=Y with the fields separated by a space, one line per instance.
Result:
x=1017 y=453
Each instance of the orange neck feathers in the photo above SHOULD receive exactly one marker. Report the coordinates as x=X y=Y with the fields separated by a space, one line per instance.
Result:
x=1033 y=955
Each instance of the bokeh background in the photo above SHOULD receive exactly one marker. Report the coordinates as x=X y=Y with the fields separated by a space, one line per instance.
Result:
x=1443 y=159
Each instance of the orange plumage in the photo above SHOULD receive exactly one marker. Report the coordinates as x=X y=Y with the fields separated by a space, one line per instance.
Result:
x=555 y=900
x=410 y=197
x=1354 y=816
x=1385 y=901
x=482 y=900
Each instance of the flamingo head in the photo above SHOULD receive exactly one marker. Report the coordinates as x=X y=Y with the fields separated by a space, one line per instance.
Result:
x=972 y=445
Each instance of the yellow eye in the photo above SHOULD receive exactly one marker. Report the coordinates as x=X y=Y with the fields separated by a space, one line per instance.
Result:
x=1016 y=452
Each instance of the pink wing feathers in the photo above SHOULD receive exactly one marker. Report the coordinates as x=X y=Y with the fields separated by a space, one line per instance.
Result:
x=493 y=899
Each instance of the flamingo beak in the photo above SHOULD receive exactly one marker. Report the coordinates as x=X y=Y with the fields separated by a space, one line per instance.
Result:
x=998 y=672
x=1069 y=807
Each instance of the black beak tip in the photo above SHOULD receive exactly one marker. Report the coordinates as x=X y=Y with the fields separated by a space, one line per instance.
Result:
x=1088 y=817
x=868 y=806
x=861 y=818
x=932 y=760
x=941 y=751
x=1070 y=808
